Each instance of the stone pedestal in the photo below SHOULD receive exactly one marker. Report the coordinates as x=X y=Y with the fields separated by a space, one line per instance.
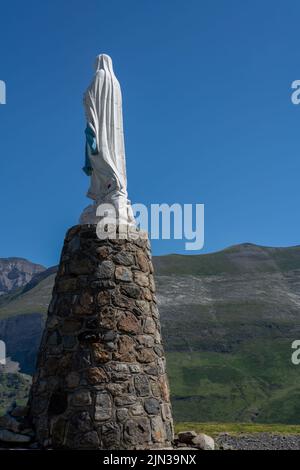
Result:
x=101 y=381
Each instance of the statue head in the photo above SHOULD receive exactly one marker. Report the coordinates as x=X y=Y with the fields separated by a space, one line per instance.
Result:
x=103 y=61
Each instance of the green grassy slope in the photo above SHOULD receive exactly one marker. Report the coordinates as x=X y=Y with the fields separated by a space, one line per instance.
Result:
x=35 y=300
x=214 y=429
x=257 y=383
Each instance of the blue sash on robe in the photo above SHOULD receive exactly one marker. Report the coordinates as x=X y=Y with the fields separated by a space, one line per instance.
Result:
x=90 y=145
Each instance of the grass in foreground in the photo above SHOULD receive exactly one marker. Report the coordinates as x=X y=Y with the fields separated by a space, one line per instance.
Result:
x=213 y=429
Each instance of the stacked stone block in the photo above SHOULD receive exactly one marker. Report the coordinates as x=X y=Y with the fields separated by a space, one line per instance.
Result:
x=101 y=375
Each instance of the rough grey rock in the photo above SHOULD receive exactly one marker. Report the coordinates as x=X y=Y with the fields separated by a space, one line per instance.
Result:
x=203 y=442
x=186 y=436
x=10 y=423
x=11 y=437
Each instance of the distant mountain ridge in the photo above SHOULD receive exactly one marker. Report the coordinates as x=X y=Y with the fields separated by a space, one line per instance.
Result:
x=244 y=257
x=16 y=272
x=228 y=320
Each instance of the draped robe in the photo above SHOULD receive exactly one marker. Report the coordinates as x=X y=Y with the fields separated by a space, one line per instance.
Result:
x=105 y=150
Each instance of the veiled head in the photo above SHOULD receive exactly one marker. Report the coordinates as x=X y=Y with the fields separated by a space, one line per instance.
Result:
x=103 y=61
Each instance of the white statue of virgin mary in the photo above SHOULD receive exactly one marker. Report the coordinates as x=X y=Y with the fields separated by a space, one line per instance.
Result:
x=105 y=150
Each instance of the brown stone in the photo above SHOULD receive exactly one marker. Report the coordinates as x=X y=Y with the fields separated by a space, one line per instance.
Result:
x=186 y=436
x=151 y=369
x=143 y=306
x=137 y=431
x=85 y=305
x=103 y=298
x=107 y=318
x=146 y=355
x=141 y=279
x=159 y=350
x=129 y=323
x=121 y=300
x=142 y=261
x=146 y=341
x=126 y=349
x=147 y=293
x=161 y=363
x=157 y=337
x=137 y=410
x=124 y=258
x=123 y=274
x=165 y=393
x=103 y=252
x=166 y=411
x=122 y=414
x=154 y=311
x=155 y=388
x=151 y=283
x=96 y=375
x=150 y=326
x=64 y=364
x=158 y=429
x=117 y=389
x=72 y=232
x=125 y=400
x=100 y=355
x=134 y=368
x=151 y=267
x=131 y=290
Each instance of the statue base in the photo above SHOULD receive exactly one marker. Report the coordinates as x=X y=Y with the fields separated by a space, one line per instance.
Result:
x=101 y=381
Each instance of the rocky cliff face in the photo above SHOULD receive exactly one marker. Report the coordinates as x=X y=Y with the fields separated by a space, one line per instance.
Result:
x=22 y=334
x=16 y=272
x=216 y=302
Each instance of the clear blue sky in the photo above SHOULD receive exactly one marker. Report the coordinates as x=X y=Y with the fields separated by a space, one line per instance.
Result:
x=207 y=111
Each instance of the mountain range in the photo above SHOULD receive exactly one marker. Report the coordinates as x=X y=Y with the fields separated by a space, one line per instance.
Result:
x=228 y=320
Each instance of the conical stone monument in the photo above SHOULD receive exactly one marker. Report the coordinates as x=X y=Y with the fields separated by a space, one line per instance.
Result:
x=101 y=381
